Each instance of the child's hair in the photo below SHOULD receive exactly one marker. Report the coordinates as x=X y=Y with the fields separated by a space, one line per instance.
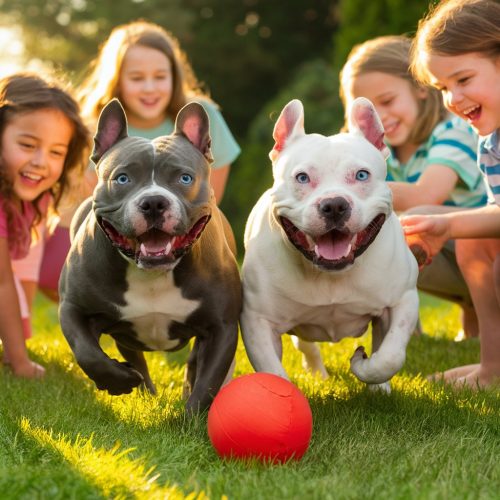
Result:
x=23 y=93
x=455 y=27
x=391 y=55
x=102 y=83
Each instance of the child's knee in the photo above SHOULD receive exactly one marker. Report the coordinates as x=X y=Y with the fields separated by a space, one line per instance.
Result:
x=476 y=251
x=468 y=251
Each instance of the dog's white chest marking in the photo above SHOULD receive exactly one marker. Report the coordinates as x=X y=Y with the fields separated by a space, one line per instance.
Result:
x=153 y=303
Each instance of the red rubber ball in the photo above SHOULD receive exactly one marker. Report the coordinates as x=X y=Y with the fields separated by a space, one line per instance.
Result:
x=260 y=416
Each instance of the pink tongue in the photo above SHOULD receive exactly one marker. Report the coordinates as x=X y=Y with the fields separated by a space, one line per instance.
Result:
x=155 y=246
x=333 y=245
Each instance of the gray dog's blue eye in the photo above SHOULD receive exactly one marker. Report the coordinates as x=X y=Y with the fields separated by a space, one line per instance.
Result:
x=122 y=179
x=186 y=179
x=302 y=178
x=362 y=175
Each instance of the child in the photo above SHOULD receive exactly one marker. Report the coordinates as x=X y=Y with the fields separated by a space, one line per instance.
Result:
x=42 y=140
x=457 y=50
x=144 y=67
x=432 y=162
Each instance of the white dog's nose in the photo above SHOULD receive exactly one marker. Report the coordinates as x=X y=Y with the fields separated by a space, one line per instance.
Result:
x=336 y=209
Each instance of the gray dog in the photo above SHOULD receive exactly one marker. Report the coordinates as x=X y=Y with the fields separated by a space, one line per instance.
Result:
x=152 y=260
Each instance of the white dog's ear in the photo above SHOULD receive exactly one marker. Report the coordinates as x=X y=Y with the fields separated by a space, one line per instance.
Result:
x=290 y=124
x=364 y=118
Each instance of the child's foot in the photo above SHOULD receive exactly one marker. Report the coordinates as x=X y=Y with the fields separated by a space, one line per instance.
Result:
x=473 y=376
x=28 y=369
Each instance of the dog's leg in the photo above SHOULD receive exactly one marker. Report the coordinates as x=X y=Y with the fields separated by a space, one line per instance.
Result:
x=391 y=355
x=214 y=355
x=380 y=326
x=108 y=374
x=263 y=346
x=138 y=361
x=311 y=356
x=190 y=373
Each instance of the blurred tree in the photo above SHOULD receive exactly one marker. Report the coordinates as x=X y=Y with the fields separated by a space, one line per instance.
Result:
x=246 y=51
x=66 y=33
x=381 y=17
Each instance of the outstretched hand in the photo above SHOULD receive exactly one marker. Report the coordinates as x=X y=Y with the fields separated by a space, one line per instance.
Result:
x=427 y=233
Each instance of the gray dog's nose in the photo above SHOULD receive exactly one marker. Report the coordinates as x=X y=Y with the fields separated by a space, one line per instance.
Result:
x=153 y=205
x=336 y=209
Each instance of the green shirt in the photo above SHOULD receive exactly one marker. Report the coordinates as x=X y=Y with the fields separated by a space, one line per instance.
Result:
x=224 y=147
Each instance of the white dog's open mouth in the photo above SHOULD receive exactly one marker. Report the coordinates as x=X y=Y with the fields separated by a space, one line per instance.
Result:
x=154 y=247
x=335 y=249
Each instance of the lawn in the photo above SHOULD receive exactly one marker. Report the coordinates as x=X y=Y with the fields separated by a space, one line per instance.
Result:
x=61 y=438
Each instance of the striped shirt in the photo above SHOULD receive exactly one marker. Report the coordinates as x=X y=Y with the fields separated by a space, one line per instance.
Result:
x=489 y=163
x=452 y=143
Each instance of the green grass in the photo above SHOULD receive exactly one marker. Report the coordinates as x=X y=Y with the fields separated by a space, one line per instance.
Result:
x=61 y=438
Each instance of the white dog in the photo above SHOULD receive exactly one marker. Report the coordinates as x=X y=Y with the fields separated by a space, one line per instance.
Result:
x=325 y=253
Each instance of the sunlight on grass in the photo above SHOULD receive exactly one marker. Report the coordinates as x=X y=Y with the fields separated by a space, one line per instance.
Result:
x=140 y=407
x=100 y=467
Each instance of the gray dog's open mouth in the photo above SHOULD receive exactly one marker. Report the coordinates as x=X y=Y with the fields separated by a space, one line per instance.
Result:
x=335 y=249
x=154 y=247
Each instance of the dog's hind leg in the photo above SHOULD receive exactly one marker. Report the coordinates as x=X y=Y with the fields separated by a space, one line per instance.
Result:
x=380 y=325
x=311 y=356
x=138 y=361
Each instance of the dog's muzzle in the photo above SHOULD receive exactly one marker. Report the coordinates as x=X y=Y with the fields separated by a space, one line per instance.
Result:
x=154 y=247
x=336 y=248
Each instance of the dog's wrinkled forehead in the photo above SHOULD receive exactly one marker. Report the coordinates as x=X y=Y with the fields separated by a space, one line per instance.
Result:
x=178 y=150
x=331 y=153
x=163 y=151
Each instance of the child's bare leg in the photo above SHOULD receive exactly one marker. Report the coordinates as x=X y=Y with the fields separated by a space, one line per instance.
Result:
x=479 y=261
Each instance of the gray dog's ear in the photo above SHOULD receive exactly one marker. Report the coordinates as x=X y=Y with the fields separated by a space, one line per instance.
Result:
x=111 y=128
x=364 y=118
x=192 y=122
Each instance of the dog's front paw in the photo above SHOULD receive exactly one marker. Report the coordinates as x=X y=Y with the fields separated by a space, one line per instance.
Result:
x=121 y=380
x=359 y=353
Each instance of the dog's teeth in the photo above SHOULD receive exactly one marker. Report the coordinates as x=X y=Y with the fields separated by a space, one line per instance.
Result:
x=168 y=248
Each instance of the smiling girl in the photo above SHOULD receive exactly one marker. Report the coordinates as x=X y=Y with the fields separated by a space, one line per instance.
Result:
x=457 y=50
x=42 y=139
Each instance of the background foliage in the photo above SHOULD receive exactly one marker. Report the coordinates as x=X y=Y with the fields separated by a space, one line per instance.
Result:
x=253 y=56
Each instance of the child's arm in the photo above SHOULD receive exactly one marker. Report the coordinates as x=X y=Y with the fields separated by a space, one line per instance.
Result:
x=432 y=188
x=435 y=230
x=11 y=328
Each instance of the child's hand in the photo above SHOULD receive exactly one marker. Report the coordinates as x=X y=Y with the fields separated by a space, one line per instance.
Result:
x=28 y=369
x=430 y=232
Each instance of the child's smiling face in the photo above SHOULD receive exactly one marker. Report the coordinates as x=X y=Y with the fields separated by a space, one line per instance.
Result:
x=145 y=86
x=34 y=146
x=470 y=84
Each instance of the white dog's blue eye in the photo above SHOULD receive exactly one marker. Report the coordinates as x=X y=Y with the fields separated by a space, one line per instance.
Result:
x=302 y=178
x=362 y=175
x=122 y=179
x=186 y=179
